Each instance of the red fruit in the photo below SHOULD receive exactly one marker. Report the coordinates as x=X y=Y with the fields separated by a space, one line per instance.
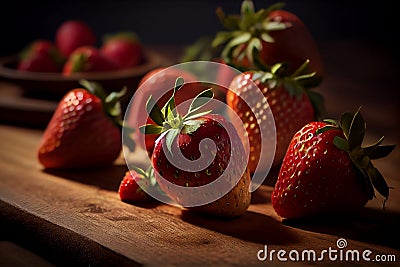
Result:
x=80 y=134
x=72 y=34
x=185 y=134
x=38 y=63
x=41 y=56
x=326 y=171
x=288 y=100
x=129 y=189
x=123 y=49
x=275 y=36
x=87 y=59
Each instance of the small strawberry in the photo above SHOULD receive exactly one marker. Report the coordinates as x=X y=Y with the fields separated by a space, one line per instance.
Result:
x=41 y=56
x=184 y=136
x=87 y=59
x=327 y=171
x=291 y=103
x=84 y=130
x=72 y=34
x=130 y=189
x=123 y=49
x=267 y=36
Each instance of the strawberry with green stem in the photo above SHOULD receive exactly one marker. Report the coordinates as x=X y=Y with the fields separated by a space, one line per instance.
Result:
x=292 y=104
x=84 y=131
x=40 y=56
x=184 y=135
x=131 y=187
x=123 y=49
x=327 y=171
x=266 y=37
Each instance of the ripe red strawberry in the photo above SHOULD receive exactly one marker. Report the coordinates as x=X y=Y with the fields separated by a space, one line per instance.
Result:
x=87 y=59
x=327 y=171
x=130 y=189
x=81 y=134
x=72 y=34
x=185 y=135
x=267 y=36
x=290 y=104
x=123 y=49
x=41 y=56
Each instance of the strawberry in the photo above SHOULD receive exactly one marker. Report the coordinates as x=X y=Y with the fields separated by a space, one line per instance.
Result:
x=123 y=49
x=41 y=56
x=37 y=63
x=72 y=34
x=327 y=171
x=130 y=189
x=157 y=83
x=87 y=59
x=180 y=163
x=80 y=134
x=289 y=101
x=267 y=36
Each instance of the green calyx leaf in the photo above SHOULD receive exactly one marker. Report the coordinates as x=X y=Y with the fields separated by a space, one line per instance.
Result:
x=111 y=102
x=279 y=75
x=151 y=129
x=197 y=103
x=191 y=126
x=147 y=174
x=128 y=137
x=170 y=137
x=125 y=35
x=353 y=127
x=169 y=110
x=326 y=128
x=154 y=111
x=297 y=83
x=246 y=32
x=169 y=122
x=357 y=131
x=78 y=62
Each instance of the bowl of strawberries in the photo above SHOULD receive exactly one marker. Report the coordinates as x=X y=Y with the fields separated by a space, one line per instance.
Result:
x=54 y=67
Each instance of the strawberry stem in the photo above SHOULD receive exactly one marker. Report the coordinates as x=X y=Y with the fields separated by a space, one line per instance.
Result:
x=249 y=30
x=169 y=121
x=112 y=108
x=297 y=83
x=353 y=127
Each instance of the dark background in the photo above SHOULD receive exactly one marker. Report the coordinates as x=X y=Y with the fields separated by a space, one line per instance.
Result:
x=183 y=21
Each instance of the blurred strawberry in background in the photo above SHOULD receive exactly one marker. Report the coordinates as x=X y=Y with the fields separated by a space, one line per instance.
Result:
x=123 y=49
x=87 y=59
x=72 y=34
x=40 y=56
